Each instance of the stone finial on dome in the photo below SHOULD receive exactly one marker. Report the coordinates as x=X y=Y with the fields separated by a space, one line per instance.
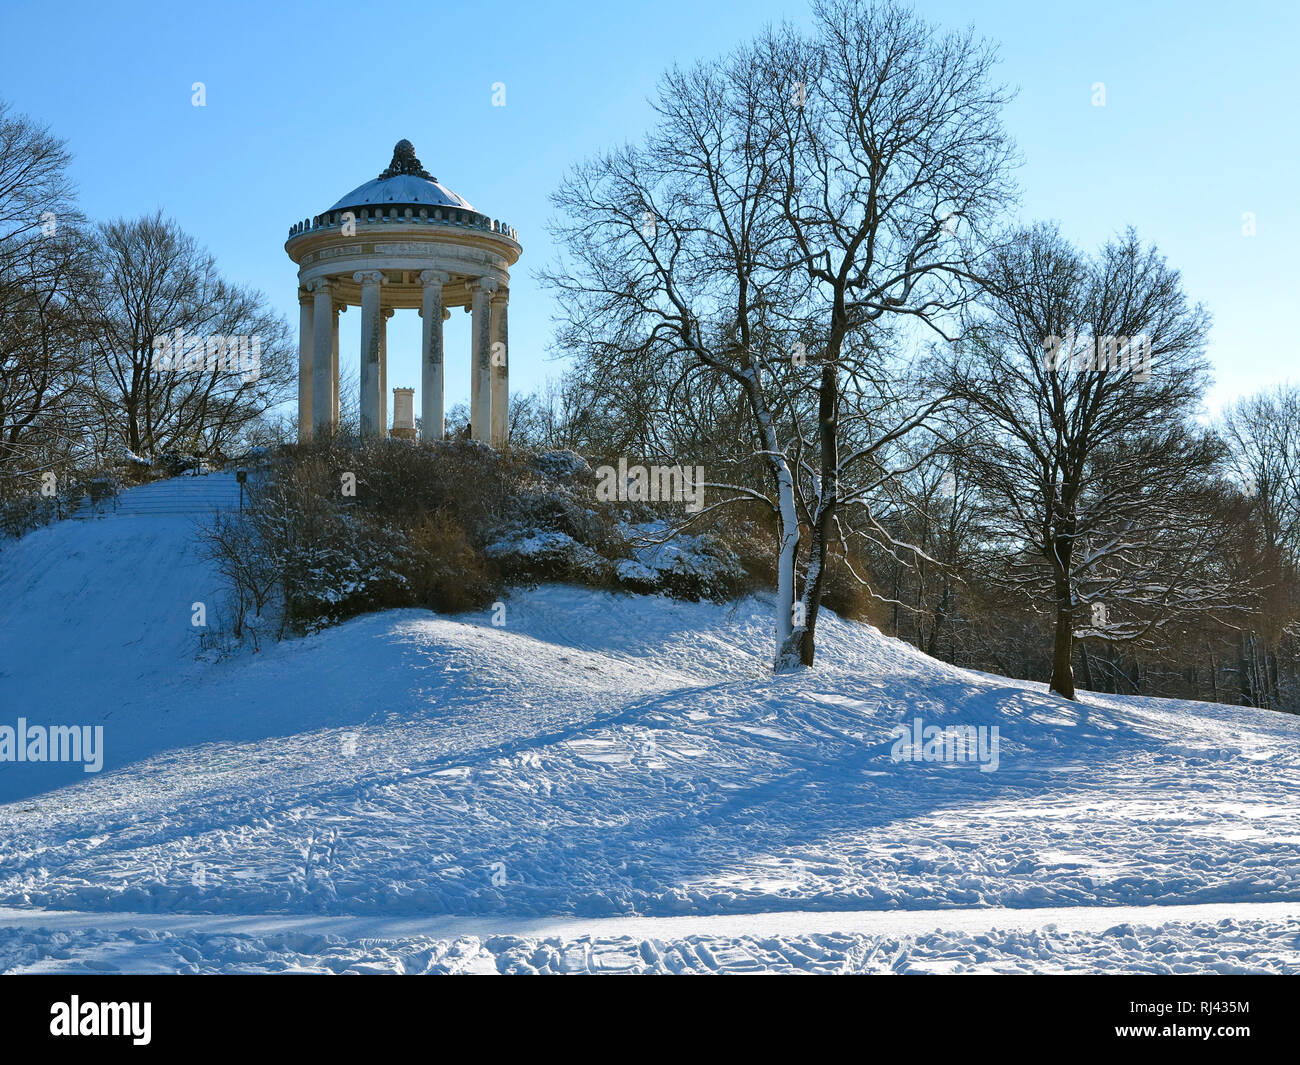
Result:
x=405 y=162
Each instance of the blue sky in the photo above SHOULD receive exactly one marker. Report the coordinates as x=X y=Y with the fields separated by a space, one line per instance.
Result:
x=305 y=101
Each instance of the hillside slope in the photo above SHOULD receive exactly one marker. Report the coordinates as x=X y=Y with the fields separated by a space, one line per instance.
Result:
x=597 y=756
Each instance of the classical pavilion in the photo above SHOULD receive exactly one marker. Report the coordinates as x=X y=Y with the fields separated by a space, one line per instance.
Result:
x=400 y=242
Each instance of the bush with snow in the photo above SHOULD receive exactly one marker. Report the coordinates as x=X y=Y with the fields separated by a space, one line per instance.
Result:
x=446 y=525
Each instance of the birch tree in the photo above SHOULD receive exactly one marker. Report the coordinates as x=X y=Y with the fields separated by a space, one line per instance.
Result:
x=895 y=162
x=675 y=274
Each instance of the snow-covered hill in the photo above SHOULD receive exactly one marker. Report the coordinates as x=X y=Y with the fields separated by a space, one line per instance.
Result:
x=415 y=792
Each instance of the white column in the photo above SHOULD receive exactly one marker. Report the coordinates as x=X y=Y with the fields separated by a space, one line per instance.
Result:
x=386 y=314
x=500 y=360
x=322 y=363
x=432 y=410
x=371 y=327
x=480 y=393
x=339 y=308
x=305 y=300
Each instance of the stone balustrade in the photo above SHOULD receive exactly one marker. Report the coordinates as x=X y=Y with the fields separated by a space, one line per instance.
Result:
x=442 y=216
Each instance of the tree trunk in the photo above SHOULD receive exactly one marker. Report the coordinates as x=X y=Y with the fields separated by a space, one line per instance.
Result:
x=1062 y=681
x=787 y=529
x=1243 y=673
x=812 y=594
x=941 y=612
x=787 y=555
x=827 y=497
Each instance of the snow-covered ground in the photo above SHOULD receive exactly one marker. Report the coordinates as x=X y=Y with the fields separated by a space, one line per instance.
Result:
x=605 y=782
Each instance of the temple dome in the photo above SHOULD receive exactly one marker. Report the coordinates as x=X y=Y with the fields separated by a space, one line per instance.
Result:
x=404 y=183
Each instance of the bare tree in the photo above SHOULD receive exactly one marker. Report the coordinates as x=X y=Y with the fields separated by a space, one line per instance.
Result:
x=183 y=360
x=1088 y=373
x=1263 y=436
x=675 y=280
x=42 y=262
x=793 y=200
x=937 y=508
x=1262 y=433
x=894 y=161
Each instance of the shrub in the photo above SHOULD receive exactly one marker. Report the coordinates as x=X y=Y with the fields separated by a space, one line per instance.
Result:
x=446 y=525
x=448 y=573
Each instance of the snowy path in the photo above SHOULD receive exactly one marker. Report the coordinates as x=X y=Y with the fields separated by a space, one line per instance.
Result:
x=781 y=923
x=1224 y=938
x=599 y=756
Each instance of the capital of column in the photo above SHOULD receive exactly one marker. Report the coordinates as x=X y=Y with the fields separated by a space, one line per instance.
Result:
x=305 y=295
x=388 y=312
x=320 y=284
x=370 y=277
x=434 y=277
x=500 y=297
x=484 y=284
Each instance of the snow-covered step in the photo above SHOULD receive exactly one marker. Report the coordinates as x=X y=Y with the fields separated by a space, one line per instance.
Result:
x=176 y=495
